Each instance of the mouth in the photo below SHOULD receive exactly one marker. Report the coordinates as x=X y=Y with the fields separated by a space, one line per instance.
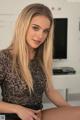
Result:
x=37 y=41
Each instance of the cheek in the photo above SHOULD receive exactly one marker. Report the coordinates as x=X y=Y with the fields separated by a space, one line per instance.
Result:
x=43 y=40
x=45 y=37
x=28 y=36
x=30 y=33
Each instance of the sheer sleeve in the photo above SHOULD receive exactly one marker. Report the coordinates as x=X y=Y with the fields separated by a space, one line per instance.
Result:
x=2 y=70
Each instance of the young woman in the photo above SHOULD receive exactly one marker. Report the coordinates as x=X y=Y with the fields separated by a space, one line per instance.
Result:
x=26 y=70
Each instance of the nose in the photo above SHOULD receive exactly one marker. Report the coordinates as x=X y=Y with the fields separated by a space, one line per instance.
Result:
x=40 y=35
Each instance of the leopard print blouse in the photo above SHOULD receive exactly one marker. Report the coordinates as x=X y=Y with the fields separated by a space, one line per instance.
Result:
x=14 y=88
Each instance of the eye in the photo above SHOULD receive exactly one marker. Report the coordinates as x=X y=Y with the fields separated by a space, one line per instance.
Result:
x=35 y=28
x=46 y=31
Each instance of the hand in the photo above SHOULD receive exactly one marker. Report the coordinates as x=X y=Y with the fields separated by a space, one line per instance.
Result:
x=39 y=115
x=27 y=113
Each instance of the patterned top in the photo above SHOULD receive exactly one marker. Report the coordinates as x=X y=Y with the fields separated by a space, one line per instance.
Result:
x=14 y=88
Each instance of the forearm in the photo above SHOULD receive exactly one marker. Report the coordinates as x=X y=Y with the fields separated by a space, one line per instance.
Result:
x=57 y=98
x=8 y=107
x=22 y=112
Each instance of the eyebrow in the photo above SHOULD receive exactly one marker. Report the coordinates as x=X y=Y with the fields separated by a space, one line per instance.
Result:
x=40 y=27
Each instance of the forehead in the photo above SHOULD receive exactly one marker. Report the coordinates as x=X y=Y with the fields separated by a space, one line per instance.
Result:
x=42 y=21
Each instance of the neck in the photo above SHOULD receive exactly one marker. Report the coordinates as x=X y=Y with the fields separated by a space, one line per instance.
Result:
x=31 y=54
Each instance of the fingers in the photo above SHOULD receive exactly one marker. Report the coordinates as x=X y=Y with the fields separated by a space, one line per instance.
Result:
x=36 y=114
x=36 y=111
x=35 y=117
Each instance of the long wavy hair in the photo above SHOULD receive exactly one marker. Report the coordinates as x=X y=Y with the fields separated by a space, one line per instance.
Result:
x=19 y=48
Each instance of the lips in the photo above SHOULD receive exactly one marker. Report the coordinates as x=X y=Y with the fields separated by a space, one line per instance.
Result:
x=37 y=41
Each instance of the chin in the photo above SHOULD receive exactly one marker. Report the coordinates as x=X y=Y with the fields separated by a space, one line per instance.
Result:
x=35 y=46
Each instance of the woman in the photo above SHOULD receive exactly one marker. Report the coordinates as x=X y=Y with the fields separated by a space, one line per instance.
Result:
x=26 y=70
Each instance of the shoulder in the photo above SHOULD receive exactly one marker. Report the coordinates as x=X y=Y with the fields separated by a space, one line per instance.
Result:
x=4 y=54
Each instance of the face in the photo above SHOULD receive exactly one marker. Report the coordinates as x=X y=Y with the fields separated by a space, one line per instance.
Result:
x=38 y=31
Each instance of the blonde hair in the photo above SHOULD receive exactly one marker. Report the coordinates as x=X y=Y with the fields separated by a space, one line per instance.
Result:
x=20 y=48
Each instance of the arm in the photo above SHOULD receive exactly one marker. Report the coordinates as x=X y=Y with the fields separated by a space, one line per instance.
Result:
x=22 y=112
x=8 y=107
x=54 y=96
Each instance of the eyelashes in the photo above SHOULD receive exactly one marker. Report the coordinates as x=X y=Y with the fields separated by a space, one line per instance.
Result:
x=36 y=28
